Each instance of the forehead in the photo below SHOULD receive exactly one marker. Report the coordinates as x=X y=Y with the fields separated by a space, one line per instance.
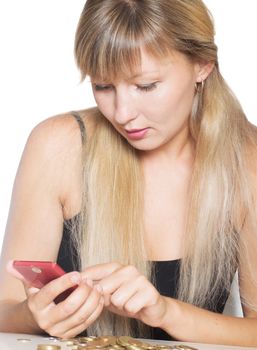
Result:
x=148 y=65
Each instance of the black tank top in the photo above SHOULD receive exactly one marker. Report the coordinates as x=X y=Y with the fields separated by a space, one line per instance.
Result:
x=165 y=273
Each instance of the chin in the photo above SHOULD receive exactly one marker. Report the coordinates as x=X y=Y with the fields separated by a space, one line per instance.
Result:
x=144 y=145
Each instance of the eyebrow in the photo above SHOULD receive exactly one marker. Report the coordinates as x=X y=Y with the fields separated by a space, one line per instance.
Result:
x=143 y=73
x=137 y=75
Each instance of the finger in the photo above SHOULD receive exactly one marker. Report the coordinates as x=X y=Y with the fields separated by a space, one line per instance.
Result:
x=82 y=314
x=125 y=274
x=98 y=272
x=71 y=333
x=144 y=298
x=106 y=297
x=54 y=288
x=121 y=296
x=70 y=305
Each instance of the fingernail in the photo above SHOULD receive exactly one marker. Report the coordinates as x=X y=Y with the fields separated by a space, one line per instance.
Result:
x=75 y=278
x=98 y=287
x=89 y=282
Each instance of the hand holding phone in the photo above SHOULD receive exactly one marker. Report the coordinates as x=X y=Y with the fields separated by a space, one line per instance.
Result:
x=39 y=273
x=62 y=320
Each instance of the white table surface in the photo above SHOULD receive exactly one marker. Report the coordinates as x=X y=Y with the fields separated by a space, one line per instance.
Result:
x=9 y=341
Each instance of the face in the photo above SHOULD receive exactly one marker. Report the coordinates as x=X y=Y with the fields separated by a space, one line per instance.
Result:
x=151 y=108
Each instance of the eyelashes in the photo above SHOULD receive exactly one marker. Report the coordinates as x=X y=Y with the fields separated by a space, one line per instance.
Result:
x=148 y=87
x=107 y=87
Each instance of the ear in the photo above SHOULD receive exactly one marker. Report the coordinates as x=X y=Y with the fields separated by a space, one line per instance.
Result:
x=203 y=70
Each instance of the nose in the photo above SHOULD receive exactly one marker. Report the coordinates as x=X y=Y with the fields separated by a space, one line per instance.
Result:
x=125 y=110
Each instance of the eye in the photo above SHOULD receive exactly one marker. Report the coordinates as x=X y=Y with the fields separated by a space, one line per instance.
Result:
x=102 y=87
x=147 y=87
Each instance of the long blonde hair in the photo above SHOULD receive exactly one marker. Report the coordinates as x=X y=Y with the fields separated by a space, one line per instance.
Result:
x=109 y=36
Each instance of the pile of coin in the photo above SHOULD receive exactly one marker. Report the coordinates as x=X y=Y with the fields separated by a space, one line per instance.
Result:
x=116 y=343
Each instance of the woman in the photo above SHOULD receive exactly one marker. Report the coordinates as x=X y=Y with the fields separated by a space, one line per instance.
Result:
x=159 y=201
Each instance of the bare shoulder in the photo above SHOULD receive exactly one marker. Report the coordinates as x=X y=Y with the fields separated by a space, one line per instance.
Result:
x=60 y=131
x=55 y=147
x=60 y=134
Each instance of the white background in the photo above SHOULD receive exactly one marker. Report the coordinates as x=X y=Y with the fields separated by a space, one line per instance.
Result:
x=38 y=76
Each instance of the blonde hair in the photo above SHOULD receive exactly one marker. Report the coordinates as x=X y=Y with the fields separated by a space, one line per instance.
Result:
x=109 y=36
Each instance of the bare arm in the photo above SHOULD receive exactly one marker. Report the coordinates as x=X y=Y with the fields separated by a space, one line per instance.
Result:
x=47 y=173
x=190 y=323
x=128 y=293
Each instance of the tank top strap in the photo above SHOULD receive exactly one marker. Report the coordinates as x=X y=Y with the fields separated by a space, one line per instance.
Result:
x=77 y=116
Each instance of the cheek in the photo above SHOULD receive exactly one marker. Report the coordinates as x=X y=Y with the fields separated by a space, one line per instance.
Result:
x=104 y=105
x=176 y=101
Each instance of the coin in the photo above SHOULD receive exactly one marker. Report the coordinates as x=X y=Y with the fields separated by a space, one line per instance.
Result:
x=101 y=342
x=85 y=339
x=48 y=347
x=134 y=344
x=116 y=347
x=24 y=340
x=111 y=340
x=184 y=347
x=144 y=345
x=108 y=342
x=70 y=342
x=124 y=340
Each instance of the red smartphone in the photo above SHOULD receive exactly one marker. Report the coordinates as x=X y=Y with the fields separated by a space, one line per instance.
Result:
x=39 y=273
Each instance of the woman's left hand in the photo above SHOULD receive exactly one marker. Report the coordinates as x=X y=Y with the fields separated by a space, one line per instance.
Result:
x=128 y=293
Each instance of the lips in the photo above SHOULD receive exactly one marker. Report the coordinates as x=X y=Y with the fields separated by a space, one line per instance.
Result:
x=137 y=134
x=134 y=130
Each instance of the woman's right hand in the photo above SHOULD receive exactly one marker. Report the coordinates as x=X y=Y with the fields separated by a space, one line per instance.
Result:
x=71 y=316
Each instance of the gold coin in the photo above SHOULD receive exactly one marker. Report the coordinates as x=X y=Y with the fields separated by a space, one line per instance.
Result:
x=116 y=347
x=48 y=347
x=142 y=344
x=124 y=340
x=134 y=347
x=97 y=344
x=102 y=342
x=66 y=340
x=91 y=347
x=135 y=343
x=85 y=339
x=24 y=340
x=70 y=342
x=109 y=339
x=184 y=347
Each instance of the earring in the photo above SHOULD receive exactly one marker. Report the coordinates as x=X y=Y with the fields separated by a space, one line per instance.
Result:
x=199 y=86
